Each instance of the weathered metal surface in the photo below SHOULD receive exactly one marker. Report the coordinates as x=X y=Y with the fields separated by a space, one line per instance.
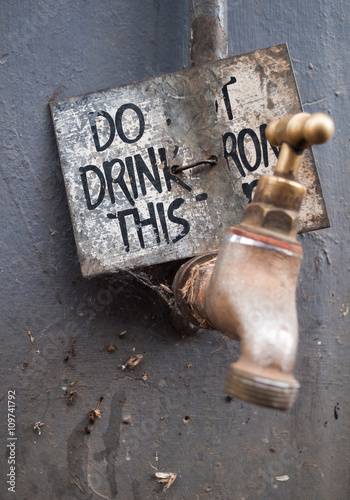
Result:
x=117 y=147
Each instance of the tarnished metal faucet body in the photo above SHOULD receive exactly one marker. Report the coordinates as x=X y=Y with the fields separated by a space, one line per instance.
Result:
x=248 y=290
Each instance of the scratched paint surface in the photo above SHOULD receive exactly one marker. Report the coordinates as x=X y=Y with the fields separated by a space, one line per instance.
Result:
x=117 y=147
x=229 y=449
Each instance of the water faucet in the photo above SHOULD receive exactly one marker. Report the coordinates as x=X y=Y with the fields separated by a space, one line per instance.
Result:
x=247 y=290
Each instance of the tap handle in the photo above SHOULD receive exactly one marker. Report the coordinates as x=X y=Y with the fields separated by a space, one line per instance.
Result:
x=300 y=131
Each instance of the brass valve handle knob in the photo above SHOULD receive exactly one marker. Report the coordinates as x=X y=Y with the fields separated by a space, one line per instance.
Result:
x=294 y=134
x=300 y=131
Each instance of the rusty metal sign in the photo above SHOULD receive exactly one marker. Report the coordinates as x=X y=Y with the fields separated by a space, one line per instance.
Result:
x=120 y=148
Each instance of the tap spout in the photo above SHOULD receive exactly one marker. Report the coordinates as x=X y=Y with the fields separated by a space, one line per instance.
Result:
x=251 y=298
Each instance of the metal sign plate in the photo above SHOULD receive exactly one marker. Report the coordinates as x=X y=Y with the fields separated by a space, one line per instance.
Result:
x=117 y=147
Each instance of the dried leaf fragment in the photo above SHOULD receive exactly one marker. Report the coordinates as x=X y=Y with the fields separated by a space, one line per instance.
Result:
x=77 y=482
x=282 y=478
x=72 y=343
x=167 y=478
x=92 y=417
x=38 y=426
x=122 y=333
x=93 y=414
x=31 y=337
x=72 y=395
x=133 y=361
x=111 y=348
x=166 y=288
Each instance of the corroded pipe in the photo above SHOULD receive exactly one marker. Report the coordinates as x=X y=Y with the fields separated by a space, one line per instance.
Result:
x=248 y=290
x=208 y=31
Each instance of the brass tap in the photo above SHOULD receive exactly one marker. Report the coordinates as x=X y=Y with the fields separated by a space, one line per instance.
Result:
x=247 y=291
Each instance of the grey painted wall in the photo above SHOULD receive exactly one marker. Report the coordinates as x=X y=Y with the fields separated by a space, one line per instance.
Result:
x=229 y=449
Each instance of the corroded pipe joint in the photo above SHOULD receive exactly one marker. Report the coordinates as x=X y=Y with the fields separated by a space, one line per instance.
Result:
x=190 y=285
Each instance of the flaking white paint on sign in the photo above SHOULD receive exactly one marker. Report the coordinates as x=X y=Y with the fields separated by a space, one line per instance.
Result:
x=117 y=147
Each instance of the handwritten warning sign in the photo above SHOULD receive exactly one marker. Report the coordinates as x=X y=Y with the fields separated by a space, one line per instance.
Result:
x=119 y=149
